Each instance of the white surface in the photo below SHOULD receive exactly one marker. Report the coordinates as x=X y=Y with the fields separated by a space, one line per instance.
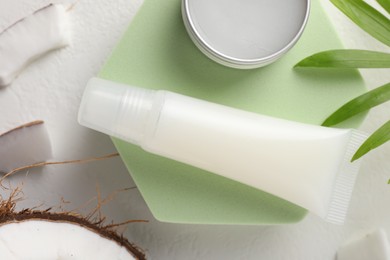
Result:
x=52 y=241
x=372 y=246
x=51 y=89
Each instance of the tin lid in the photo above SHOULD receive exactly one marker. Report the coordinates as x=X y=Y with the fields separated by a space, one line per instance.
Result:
x=245 y=33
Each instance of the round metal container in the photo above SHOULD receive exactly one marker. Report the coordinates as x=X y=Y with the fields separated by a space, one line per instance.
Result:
x=245 y=34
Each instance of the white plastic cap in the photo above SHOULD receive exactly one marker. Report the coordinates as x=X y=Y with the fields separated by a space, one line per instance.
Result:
x=116 y=109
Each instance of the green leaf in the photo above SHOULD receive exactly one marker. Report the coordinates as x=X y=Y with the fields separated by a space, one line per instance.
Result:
x=385 y=4
x=347 y=59
x=367 y=18
x=360 y=104
x=379 y=137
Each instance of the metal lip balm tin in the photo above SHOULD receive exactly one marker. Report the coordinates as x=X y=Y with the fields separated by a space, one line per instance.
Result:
x=245 y=34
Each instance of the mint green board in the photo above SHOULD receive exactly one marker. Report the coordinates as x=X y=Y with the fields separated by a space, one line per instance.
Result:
x=157 y=53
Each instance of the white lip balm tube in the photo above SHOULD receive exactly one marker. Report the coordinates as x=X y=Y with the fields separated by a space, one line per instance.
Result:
x=305 y=164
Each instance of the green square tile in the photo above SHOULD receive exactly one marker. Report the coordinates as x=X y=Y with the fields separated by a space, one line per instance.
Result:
x=157 y=53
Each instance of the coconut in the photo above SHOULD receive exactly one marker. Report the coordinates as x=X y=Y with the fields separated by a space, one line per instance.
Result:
x=28 y=39
x=26 y=144
x=43 y=234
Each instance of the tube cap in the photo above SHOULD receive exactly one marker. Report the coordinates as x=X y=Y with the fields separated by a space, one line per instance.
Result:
x=116 y=109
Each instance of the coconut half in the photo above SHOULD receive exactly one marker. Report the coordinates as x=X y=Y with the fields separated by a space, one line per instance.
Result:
x=44 y=235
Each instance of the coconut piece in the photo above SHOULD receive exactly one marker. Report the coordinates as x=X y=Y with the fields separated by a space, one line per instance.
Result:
x=30 y=38
x=24 y=145
x=34 y=234
x=373 y=246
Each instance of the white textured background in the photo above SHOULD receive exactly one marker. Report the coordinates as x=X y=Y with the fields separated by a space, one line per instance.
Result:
x=51 y=88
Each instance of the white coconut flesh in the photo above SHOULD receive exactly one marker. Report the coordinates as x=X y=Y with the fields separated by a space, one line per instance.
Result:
x=48 y=240
x=28 y=39
x=24 y=145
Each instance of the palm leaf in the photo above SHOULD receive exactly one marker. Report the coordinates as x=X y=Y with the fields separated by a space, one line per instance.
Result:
x=367 y=18
x=379 y=137
x=360 y=104
x=347 y=59
x=385 y=4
